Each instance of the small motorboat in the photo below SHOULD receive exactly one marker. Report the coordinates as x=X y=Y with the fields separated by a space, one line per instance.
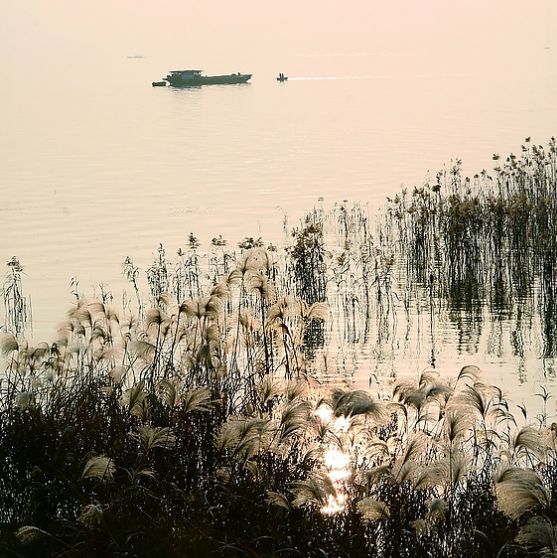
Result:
x=281 y=77
x=159 y=84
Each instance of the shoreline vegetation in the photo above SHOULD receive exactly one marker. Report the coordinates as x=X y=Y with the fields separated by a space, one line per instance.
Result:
x=213 y=413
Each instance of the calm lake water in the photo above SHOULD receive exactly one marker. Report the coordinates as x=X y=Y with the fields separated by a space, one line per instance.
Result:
x=97 y=165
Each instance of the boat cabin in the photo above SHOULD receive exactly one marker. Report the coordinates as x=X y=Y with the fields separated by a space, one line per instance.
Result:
x=185 y=74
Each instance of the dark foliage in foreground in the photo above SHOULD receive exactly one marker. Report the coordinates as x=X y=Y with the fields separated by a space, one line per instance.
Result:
x=95 y=468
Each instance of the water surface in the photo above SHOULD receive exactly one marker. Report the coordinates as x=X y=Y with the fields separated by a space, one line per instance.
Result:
x=97 y=164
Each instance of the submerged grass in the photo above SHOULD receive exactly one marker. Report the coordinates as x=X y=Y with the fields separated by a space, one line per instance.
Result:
x=486 y=238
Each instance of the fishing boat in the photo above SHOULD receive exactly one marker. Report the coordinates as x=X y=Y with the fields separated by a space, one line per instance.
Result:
x=189 y=78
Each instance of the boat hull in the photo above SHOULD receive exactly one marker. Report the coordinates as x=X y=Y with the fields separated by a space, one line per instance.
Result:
x=194 y=81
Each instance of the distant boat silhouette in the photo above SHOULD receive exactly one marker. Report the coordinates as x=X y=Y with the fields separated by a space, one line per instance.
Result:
x=281 y=77
x=189 y=78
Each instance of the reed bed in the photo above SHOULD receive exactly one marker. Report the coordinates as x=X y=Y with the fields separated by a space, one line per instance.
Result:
x=202 y=428
x=212 y=414
x=484 y=245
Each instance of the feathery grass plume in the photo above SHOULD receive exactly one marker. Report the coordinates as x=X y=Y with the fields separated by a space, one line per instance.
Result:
x=221 y=291
x=406 y=466
x=81 y=315
x=399 y=410
x=25 y=400
x=428 y=379
x=117 y=373
x=294 y=418
x=278 y=499
x=438 y=392
x=415 y=446
x=99 y=467
x=296 y=389
x=257 y=281
x=243 y=435
x=311 y=455
x=198 y=399
x=257 y=258
x=519 y=490
x=406 y=392
x=153 y=317
x=530 y=439
x=457 y=423
x=96 y=307
x=510 y=473
x=473 y=398
x=315 y=311
x=169 y=392
x=30 y=533
x=457 y=468
x=539 y=534
x=8 y=343
x=436 y=510
x=268 y=388
x=469 y=372
x=375 y=448
x=421 y=527
x=374 y=475
x=314 y=491
x=254 y=469
x=432 y=475
x=144 y=350
x=155 y=437
x=321 y=429
x=135 y=399
x=358 y=402
x=209 y=306
x=249 y=321
x=372 y=509
x=91 y=516
x=405 y=470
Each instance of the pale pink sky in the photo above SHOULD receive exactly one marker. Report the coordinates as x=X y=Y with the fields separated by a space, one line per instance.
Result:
x=43 y=31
